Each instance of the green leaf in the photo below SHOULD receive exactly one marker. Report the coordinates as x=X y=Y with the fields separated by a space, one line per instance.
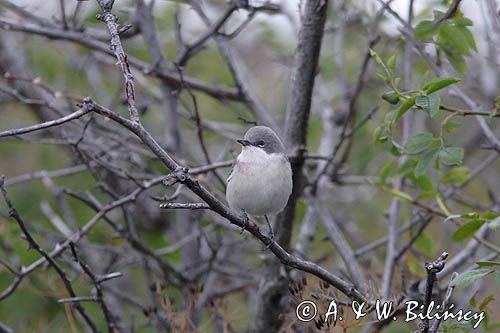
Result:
x=437 y=14
x=453 y=37
x=451 y=126
x=424 y=31
x=377 y=58
x=397 y=81
x=426 y=161
x=423 y=102
x=485 y=302
x=407 y=167
x=418 y=143
x=490 y=215
x=391 y=64
x=462 y=21
x=434 y=101
x=415 y=266
x=429 y=104
x=425 y=183
x=469 y=37
x=394 y=149
x=494 y=224
x=467 y=230
x=405 y=107
x=473 y=301
x=439 y=84
x=456 y=60
x=381 y=76
x=425 y=244
x=386 y=171
x=391 y=97
x=471 y=216
x=457 y=175
x=390 y=116
x=488 y=263
x=381 y=133
x=466 y=279
x=451 y=155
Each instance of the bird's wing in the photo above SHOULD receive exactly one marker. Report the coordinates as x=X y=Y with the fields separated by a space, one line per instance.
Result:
x=231 y=172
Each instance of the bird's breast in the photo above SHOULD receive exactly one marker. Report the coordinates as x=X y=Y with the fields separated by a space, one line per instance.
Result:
x=260 y=185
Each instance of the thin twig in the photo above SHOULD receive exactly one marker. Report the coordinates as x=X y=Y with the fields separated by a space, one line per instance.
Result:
x=75 y=115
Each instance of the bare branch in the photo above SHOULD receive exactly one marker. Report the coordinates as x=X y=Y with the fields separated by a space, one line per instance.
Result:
x=75 y=115
x=111 y=21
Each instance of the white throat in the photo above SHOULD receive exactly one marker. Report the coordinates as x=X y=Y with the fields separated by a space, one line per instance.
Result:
x=251 y=154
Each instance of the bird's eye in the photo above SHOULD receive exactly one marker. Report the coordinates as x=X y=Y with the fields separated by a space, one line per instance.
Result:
x=261 y=143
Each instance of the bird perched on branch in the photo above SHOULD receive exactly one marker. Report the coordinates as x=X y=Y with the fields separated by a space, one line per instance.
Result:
x=260 y=182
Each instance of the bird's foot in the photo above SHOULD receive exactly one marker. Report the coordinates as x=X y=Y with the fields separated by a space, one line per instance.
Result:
x=270 y=234
x=246 y=222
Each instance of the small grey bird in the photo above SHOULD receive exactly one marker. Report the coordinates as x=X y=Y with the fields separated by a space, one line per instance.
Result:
x=261 y=180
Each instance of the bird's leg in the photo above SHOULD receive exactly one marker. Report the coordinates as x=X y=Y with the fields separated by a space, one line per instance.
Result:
x=271 y=233
x=246 y=220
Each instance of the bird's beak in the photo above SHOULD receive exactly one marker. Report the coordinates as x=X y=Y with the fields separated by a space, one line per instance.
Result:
x=244 y=142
